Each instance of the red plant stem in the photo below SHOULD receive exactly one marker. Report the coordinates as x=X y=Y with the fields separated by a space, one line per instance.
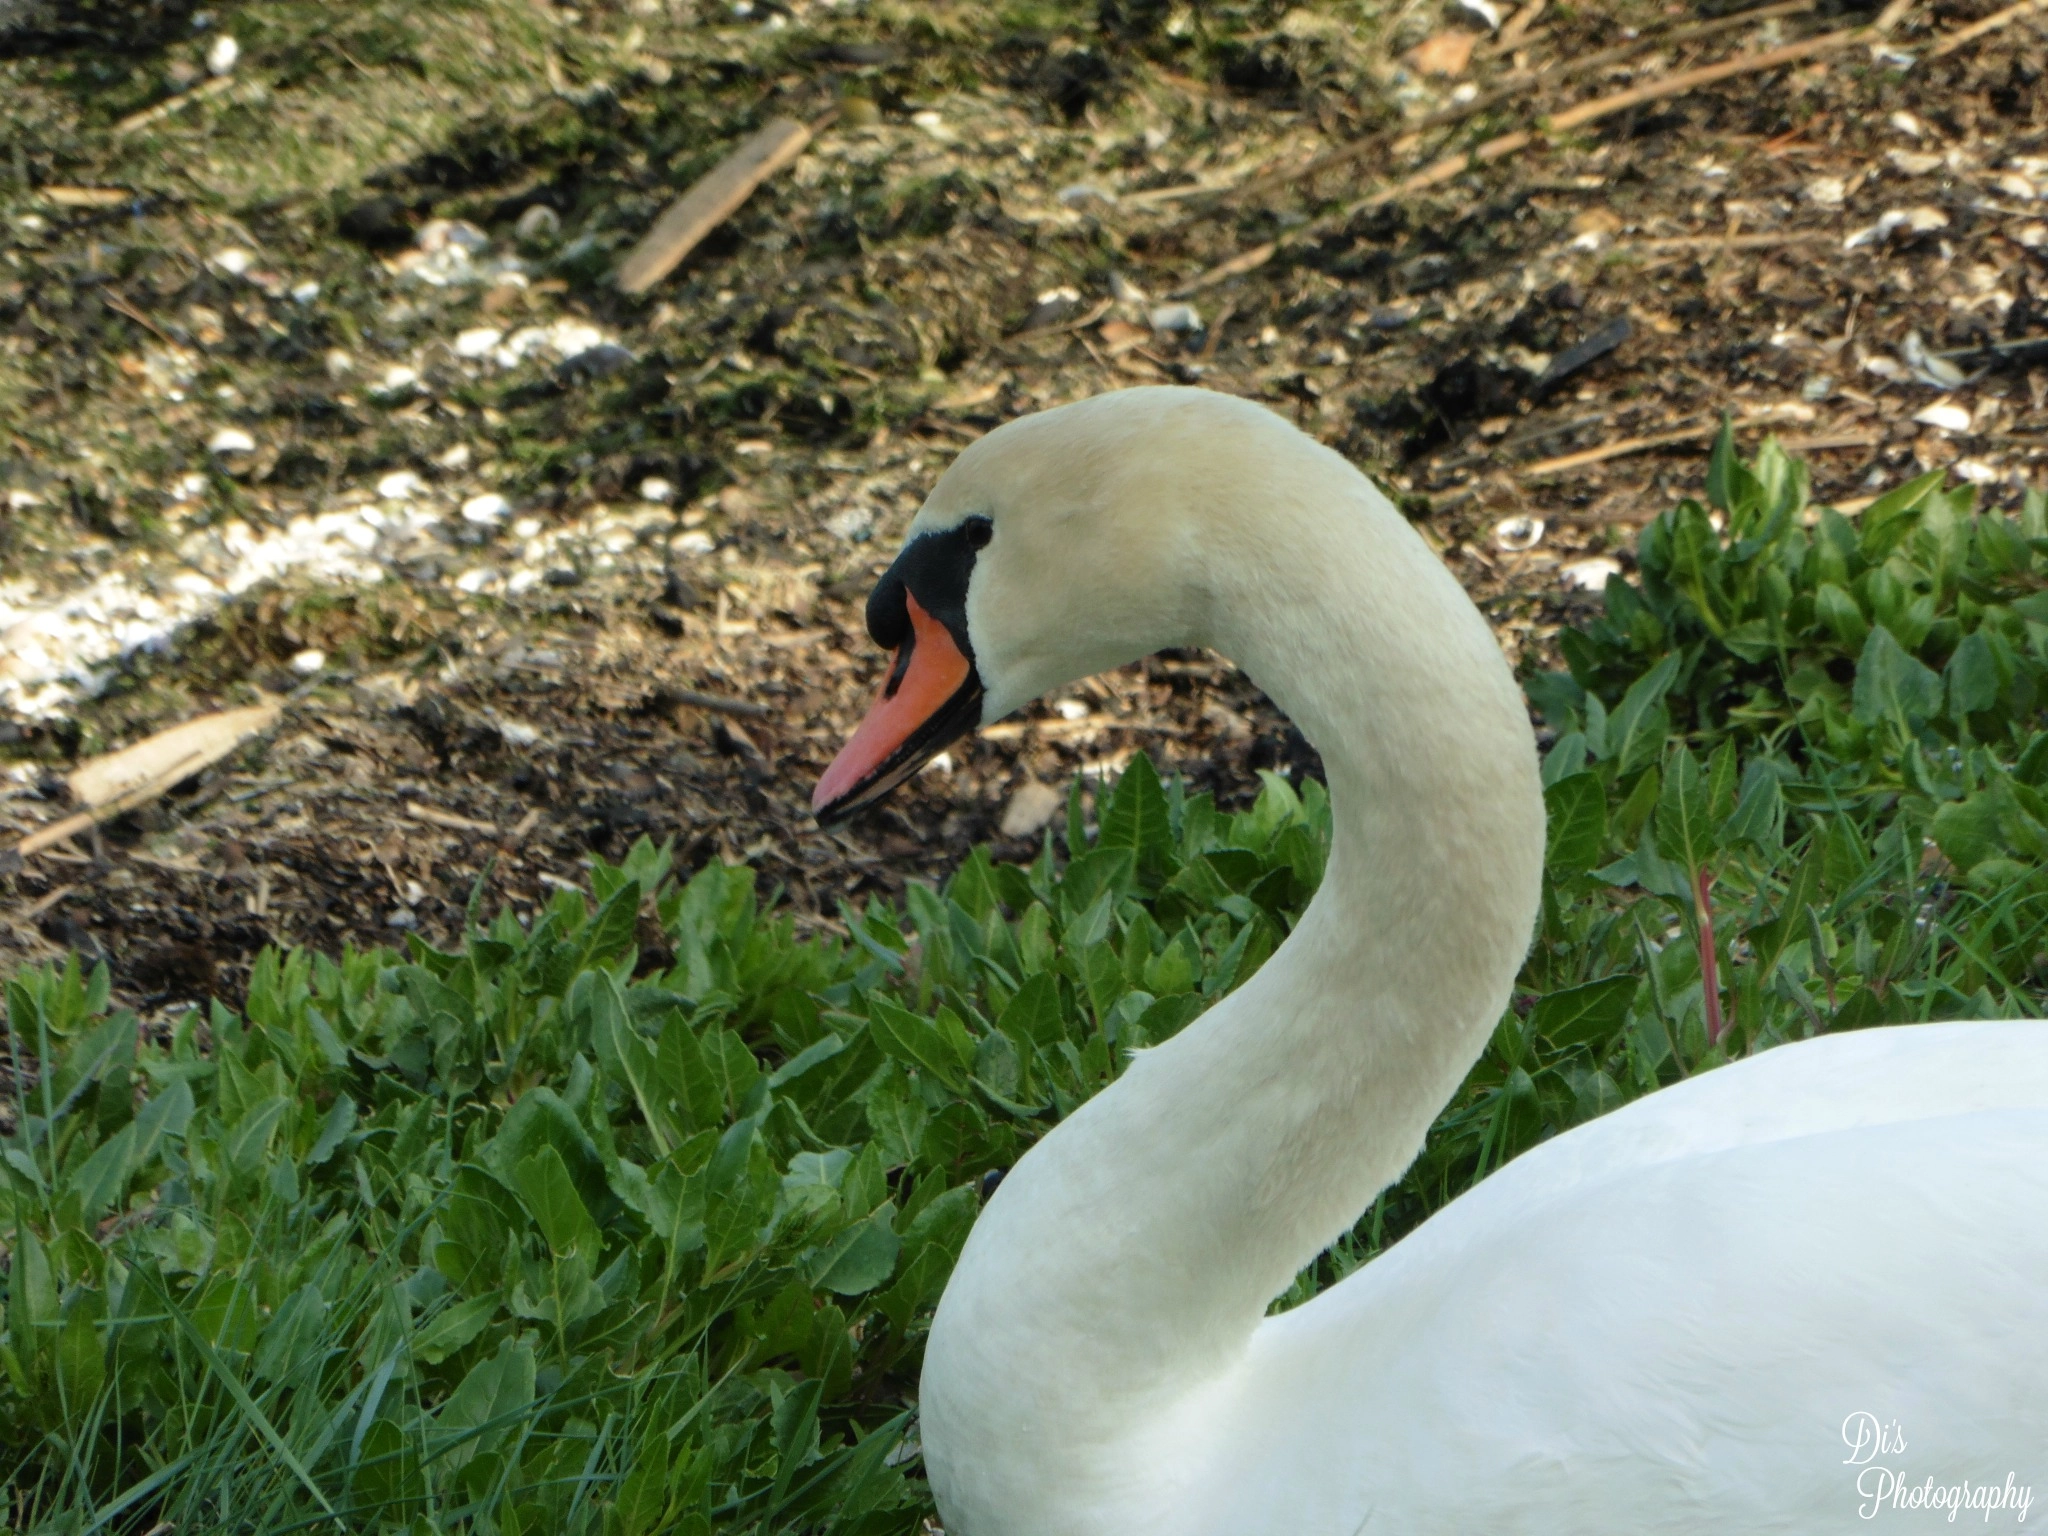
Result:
x=1710 y=965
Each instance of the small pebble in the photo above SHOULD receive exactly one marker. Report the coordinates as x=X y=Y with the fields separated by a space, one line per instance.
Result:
x=306 y=663
x=480 y=341
x=486 y=509
x=695 y=542
x=657 y=490
x=233 y=260
x=852 y=524
x=1175 y=317
x=1031 y=806
x=221 y=56
x=305 y=293
x=400 y=485
x=1516 y=534
x=1081 y=193
x=229 y=440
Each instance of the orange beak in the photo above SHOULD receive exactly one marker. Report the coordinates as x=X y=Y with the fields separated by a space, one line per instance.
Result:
x=932 y=697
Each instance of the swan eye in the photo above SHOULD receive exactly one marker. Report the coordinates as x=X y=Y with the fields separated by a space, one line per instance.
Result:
x=977 y=531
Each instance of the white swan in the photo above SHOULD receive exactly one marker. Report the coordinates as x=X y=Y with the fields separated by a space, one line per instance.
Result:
x=1664 y=1321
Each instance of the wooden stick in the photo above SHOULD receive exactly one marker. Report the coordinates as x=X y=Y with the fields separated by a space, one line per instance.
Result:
x=1614 y=450
x=1516 y=85
x=709 y=203
x=44 y=902
x=1691 y=79
x=88 y=197
x=1757 y=242
x=1451 y=166
x=172 y=104
x=448 y=819
x=1445 y=169
x=1237 y=266
x=1977 y=29
x=1518 y=24
x=716 y=703
x=121 y=306
x=1623 y=447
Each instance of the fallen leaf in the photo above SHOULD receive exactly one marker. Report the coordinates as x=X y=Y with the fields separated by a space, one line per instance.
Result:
x=1446 y=54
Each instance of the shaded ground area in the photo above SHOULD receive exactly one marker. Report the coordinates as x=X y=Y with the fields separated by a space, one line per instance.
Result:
x=312 y=366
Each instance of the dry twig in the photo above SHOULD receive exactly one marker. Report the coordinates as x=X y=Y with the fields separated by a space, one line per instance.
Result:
x=1977 y=29
x=710 y=202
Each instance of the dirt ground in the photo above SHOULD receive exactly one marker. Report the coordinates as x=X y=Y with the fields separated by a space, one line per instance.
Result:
x=612 y=575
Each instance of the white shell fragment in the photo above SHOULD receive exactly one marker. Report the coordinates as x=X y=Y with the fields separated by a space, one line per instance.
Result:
x=230 y=440
x=397 y=383
x=1913 y=162
x=1589 y=575
x=1827 y=191
x=1516 y=534
x=221 y=56
x=1175 y=317
x=540 y=222
x=1946 y=416
x=1926 y=366
x=306 y=663
x=1920 y=220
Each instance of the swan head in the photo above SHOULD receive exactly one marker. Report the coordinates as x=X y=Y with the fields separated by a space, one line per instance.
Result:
x=1058 y=546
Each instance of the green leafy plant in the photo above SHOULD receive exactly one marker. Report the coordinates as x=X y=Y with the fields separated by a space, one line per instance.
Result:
x=1920 y=625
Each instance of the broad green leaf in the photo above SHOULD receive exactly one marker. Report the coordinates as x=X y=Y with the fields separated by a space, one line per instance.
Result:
x=1639 y=725
x=1683 y=833
x=486 y=1407
x=550 y=1197
x=1759 y=814
x=1890 y=685
x=1973 y=676
x=1034 y=1015
x=1967 y=831
x=1577 y=811
x=859 y=1259
x=1136 y=817
x=1589 y=1014
x=454 y=1328
x=920 y=1043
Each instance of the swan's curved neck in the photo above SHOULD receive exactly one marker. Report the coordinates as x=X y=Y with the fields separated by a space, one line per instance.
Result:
x=1130 y=1257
